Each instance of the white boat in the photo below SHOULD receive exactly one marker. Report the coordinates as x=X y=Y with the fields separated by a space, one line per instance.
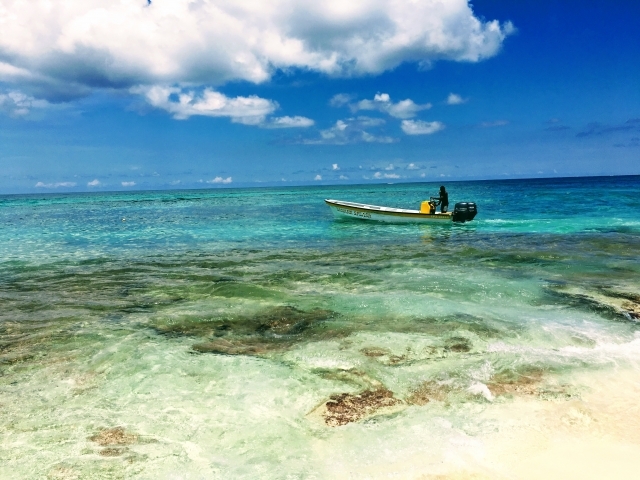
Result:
x=464 y=211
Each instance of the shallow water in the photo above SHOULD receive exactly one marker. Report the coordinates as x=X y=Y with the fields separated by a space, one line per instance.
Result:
x=246 y=334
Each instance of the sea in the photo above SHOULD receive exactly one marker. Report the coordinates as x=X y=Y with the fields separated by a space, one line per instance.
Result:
x=247 y=334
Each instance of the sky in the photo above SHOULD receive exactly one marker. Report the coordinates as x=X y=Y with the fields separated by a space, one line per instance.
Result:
x=163 y=94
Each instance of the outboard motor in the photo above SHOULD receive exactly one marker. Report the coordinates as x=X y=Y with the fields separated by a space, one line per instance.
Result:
x=464 y=212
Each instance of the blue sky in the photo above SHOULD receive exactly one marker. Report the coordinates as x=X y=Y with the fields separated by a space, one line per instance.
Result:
x=124 y=95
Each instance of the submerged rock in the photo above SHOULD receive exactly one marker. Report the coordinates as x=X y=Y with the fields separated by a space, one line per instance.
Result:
x=273 y=329
x=524 y=382
x=458 y=345
x=375 y=352
x=114 y=436
x=281 y=320
x=383 y=355
x=429 y=391
x=345 y=408
x=236 y=347
x=607 y=301
x=112 y=452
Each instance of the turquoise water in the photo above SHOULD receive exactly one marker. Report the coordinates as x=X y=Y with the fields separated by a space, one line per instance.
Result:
x=245 y=333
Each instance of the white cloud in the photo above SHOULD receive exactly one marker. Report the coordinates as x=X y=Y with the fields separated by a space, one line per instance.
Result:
x=184 y=103
x=350 y=130
x=18 y=104
x=335 y=167
x=94 y=183
x=455 y=99
x=55 y=185
x=128 y=184
x=367 y=137
x=69 y=48
x=412 y=166
x=220 y=180
x=385 y=175
x=289 y=122
x=344 y=177
x=340 y=100
x=370 y=121
x=382 y=103
x=389 y=167
x=418 y=127
x=317 y=177
x=252 y=110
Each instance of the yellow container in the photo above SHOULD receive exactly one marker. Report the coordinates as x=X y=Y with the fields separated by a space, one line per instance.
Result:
x=425 y=207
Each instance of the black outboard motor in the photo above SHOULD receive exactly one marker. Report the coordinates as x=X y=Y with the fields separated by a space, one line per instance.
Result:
x=464 y=212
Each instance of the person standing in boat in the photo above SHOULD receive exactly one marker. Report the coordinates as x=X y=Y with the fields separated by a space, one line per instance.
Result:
x=443 y=200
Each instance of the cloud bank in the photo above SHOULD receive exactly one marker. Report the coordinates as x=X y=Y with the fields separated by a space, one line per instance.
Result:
x=71 y=48
x=55 y=185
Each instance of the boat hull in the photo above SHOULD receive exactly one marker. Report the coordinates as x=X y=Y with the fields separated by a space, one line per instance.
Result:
x=361 y=211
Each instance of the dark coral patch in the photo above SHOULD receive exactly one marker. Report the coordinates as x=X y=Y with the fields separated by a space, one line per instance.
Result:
x=346 y=408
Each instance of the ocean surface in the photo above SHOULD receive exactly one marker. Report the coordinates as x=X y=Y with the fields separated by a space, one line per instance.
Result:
x=245 y=333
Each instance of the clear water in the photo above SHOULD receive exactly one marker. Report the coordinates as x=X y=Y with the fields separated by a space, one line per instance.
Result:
x=212 y=327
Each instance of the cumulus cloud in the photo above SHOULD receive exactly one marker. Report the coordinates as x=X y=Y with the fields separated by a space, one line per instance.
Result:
x=455 y=99
x=289 y=122
x=318 y=177
x=385 y=175
x=412 y=166
x=382 y=103
x=18 y=104
x=94 y=183
x=350 y=130
x=418 y=127
x=340 y=100
x=182 y=104
x=70 y=48
x=55 y=185
x=220 y=180
x=344 y=177
x=128 y=184
x=335 y=166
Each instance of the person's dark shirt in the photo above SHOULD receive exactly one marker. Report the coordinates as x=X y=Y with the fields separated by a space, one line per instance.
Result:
x=444 y=198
